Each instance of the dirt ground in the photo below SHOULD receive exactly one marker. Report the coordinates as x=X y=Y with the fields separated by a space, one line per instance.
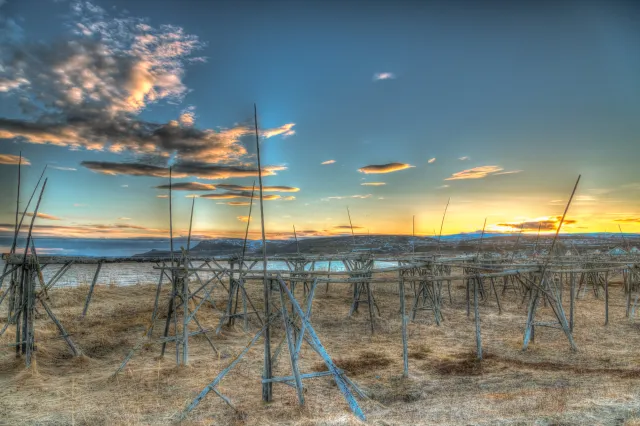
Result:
x=547 y=384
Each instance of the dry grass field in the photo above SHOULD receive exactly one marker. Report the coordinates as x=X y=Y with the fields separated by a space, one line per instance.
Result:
x=548 y=384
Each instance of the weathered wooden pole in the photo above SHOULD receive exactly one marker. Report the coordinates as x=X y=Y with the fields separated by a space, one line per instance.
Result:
x=476 y=283
x=606 y=298
x=93 y=284
x=353 y=235
x=405 y=349
x=267 y=388
x=442 y=223
x=572 y=299
x=296 y=237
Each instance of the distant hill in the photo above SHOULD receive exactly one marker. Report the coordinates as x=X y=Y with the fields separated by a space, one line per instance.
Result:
x=394 y=244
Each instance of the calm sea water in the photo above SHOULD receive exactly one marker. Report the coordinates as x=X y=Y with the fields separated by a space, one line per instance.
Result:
x=143 y=273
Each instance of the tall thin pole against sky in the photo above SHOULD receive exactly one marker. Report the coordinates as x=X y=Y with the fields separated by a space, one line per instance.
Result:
x=353 y=236
x=442 y=223
x=413 y=234
x=296 y=237
x=170 y=220
x=193 y=205
x=267 y=388
x=18 y=193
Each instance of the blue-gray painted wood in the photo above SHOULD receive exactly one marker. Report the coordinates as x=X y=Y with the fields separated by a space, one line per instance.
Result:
x=342 y=385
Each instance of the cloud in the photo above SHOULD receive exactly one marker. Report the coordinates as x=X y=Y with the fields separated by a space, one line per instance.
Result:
x=88 y=89
x=243 y=218
x=79 y=205
x=43 y=216
x=328 y=162
x=545 y=224
x=373 y=183
x=476 y=173
x=384 y=168
x=285 y=130
x=585 y=198
x=264 y=188
x=509 y=172
x=383 y=76
x=347 y=227
x=289 y=198
x=465 y=158
x=442 y=186
x=342 y=197
x=188 y=186
x=628 y=220
x=432 y=160
x=162 y=196
x=67 y=169
x=8 y=159
x=240 y=194
x=124 y=218
x=124 y=186
x=180 y=170
x=187 y=118
x=238 y=203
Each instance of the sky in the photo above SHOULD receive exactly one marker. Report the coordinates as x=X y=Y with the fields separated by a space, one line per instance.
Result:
x=390 y=109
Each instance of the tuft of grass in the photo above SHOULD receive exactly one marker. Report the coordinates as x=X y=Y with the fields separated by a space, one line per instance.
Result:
x=365 y=362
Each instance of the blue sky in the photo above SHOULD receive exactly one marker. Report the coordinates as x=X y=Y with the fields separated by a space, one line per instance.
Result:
x=542 y=90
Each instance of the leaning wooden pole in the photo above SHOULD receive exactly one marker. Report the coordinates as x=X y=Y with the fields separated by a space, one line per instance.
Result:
x=267 y=388
x=12 y=250
x=353 y=235
x=170 y=222
x=18 y=193
x=296 y=237
x=564 y=324
x=442 y=223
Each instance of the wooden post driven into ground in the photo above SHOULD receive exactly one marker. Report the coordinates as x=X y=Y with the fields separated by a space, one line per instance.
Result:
x=267 y=387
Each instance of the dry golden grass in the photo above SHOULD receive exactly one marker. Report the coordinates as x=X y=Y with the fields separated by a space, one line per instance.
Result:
x=446 y=385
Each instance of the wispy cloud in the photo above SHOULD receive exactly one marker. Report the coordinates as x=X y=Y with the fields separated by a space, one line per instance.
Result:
x=289 y=198
x=544 y=224
x=243 y=218
x=373 y=183
x=432 y=160
x=241 y=194
x=124 y=186
x=181 y=170
x=66 y=169
x=189 y=186
x=384 y=168
x=124 y=218
x=162 y=196
x=285 y=130
x=476 y=173
x=79 y=205
x=328 y=162
x=628 y=220
x=43 y=216
x=257 y=188
x=509 y=172
x=11 y=160
x=586 y=198
x=465 y=158
x=237 y=203
x=384 y=76
x=342 y=197
x=442 y=186
x=347 y=227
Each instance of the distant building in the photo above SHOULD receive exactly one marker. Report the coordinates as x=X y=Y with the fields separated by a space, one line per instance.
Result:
x=617 y=251
x=634 y=250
